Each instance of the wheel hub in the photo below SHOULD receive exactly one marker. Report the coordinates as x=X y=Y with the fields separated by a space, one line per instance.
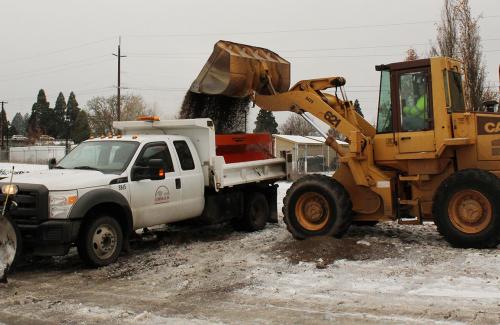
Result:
x=312 y=211
x=104 y=241
x=470 y=211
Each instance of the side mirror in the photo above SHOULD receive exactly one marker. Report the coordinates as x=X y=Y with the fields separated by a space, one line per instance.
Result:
x=52 y=163
x=154 y=170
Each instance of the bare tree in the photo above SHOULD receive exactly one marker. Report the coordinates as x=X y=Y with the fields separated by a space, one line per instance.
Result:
x=102 y=111
x=296 y=125
x=447 y=33
x=471 y=54
x=411 y=54
x=458 y=36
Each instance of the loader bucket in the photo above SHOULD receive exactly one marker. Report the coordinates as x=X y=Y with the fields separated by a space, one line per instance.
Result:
x=235 y=70
x=9 y=246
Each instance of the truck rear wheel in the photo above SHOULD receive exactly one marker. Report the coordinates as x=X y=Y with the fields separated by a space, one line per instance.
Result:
x=317 y=205
x=100 y=241
x=256 y=212
x=467 y=211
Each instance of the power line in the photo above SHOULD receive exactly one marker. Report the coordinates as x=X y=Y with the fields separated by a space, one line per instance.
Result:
x=29 y=75
x=57 y=51
x=294 y=30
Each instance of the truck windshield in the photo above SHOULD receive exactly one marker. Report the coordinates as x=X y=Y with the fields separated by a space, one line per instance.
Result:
x=109 y=157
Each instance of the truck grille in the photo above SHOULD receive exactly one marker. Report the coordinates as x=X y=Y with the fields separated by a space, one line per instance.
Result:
x=32 y=204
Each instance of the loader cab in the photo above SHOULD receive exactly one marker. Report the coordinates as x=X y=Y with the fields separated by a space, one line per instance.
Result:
x=406 y=106
x=416 y=98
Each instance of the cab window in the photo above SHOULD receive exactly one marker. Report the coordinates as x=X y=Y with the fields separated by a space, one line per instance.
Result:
x=185 y=157
x=384 y=118
x=456 y=92
x=414 y=101
x=156 y=151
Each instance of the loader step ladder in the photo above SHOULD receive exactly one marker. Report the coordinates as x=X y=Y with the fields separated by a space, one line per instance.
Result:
x=406 y=204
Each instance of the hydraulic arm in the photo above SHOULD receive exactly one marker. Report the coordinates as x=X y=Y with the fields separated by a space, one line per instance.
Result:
x=238 y=70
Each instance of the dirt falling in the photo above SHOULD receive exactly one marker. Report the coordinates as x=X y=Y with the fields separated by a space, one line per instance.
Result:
x=229 y=114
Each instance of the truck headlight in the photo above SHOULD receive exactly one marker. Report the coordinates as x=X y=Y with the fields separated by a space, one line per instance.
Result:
x=60 y=203
x=10 y=189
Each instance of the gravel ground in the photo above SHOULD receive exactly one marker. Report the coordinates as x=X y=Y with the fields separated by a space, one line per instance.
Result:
x=387 y=274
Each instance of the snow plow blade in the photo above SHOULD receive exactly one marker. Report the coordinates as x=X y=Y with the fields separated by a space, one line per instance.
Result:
x=10 y=242
x=236 y=70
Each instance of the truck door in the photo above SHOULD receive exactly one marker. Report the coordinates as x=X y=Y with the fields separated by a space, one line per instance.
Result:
x=191 y=181
x=414 y=107
x=155 y=202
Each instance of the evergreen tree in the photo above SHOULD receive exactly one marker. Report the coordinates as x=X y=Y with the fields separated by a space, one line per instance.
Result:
x=4 y=127
x=12 y=130
x=72 y=109
x=26 y=119
x=35 y=128
x=59 y=122
x=19 y=124
x=266 y=122
x=81 y=128
x=358 y=108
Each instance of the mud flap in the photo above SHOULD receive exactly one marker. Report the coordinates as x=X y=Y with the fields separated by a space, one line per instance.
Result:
x=10 y=246
x=272 y=199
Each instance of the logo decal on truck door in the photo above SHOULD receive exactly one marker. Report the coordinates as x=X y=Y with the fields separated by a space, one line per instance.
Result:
x=162 y=195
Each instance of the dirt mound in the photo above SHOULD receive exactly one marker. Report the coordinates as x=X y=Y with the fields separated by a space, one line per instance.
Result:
x=326 y=250
x=229 y=114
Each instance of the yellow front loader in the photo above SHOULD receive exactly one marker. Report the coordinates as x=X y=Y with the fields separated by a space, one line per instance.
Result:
x=428 y=158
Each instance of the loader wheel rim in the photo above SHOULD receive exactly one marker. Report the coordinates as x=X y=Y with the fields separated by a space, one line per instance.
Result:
x=312 y=211
x=470 y=211
x=104 y=241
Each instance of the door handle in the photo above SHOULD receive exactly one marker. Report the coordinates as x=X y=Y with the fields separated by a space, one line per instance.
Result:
x=405 y=138
x=177 y=183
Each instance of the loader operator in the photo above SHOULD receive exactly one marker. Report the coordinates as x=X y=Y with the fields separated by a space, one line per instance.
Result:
x=414 y=111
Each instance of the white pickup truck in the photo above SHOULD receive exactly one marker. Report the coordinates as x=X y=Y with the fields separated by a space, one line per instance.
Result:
x=155 y=172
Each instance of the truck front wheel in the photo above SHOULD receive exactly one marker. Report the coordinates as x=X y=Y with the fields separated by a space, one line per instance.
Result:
x=100 y=241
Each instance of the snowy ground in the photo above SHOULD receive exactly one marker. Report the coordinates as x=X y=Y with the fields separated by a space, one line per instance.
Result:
x=388 y=274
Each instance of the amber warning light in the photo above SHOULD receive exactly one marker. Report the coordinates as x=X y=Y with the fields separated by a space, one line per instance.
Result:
x=148 y=118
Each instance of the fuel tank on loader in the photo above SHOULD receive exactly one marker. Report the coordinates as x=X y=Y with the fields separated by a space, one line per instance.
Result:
x=236 y=70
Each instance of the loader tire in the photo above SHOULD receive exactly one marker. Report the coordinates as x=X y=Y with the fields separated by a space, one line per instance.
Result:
x=100 y=241
x=466 y=209
x=256 y=212
x=317 y=205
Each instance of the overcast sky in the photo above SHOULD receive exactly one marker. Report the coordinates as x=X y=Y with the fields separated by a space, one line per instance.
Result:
x=67 y=45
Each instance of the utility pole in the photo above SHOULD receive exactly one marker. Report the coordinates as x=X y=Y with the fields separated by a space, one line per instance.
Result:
x=119 y=56
x=2 y=127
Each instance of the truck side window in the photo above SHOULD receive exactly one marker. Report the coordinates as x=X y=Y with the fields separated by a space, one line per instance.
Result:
x=384 y=119
x=156 y=151
x=185 y=157
x=414 y=101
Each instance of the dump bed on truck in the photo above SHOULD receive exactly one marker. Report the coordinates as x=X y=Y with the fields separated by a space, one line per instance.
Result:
x=217 y=173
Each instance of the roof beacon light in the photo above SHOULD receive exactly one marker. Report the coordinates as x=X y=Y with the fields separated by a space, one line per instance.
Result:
x=151 y=118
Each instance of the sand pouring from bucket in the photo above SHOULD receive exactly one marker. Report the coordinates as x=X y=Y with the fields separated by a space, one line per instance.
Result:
x=236 y=70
